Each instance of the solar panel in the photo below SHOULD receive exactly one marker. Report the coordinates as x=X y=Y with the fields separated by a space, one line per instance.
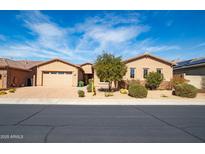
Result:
x=190 y=62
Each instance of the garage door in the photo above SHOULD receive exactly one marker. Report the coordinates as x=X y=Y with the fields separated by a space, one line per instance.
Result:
x=57 y=79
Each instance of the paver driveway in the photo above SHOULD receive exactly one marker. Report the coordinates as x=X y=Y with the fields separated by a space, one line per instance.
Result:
x=52 y=123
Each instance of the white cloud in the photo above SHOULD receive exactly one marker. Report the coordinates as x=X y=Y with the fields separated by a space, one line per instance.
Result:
x=109 y=32
x=200 y=45
x=115 y=33
x=51 y=40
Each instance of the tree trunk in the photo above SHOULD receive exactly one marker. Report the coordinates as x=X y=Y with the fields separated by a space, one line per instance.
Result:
x=116 y=84
x=110 y=85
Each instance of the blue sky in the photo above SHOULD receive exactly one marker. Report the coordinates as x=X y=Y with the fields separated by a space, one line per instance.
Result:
x=79 y=36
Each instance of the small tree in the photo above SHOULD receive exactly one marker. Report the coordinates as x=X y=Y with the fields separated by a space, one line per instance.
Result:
x=110 y=68
x=153 y=80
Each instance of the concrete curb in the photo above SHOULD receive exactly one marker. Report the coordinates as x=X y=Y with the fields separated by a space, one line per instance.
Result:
x=83 y=101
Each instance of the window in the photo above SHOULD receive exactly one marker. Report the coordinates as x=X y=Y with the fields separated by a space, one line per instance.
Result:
x=145 y=72
x=53 y=72
x=159 y=70
x=61 y=73
x=0 y=76
x=68 y=72
x=132 y=72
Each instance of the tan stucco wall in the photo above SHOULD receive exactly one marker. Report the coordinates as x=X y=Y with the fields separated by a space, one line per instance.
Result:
x=193 y=74
x=152 y=66
x=98 y=83
x=56 y=66
x=87 y=69
x=139 y=64
x=195 y=80
x=3 y=81
x=17 y=78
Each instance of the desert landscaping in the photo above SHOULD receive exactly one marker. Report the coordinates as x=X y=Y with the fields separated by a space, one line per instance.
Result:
x=71 y=93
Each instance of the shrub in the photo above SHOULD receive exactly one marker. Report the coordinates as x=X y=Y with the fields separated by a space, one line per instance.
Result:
x=123 y=91
x=137 y=91
x=94 y=91
x=177 y=80
x=153 y=80
x=12 y=90
x=133 y=82
x=185 y=90
x=3 y=92
x=89 y=88
x=90 y=81
x=108 y=94
x=80 y=84
x=81 y=93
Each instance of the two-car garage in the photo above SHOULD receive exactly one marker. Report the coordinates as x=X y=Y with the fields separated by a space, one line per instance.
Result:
x=57 y=73
x=57 y=79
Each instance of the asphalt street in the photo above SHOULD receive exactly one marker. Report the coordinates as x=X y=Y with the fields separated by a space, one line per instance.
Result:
x=102 y=124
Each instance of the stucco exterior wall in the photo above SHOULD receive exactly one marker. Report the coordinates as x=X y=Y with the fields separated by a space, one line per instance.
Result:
x=17 y=78
x=87 y=69
x=139 y=65
x=152 y=65
x=196 y=80
x=98 y=83
x=56 y=66
x=3 y=81
x=193 y=74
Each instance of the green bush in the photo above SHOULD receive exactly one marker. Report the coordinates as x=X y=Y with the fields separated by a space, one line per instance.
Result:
x=12 y=90
x=80 y=84
x=90 y=81
x=3 y=92
x=89 y=88
x=137 y=91
x=185 y=90
x=153 y=80
x=81 y=93
x=123 y=91
x=108 y=94
x=129 y=82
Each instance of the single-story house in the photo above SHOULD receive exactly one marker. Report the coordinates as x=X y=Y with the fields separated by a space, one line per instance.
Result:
x=53 y=73
x=60 y=73
x=138 y=68
x=192 y=70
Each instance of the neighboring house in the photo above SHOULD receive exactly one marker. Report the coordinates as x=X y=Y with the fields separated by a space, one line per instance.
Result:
x=139 y=67
x=60 y=73
x=15 y=73
x=52 y=73
x=193 y=70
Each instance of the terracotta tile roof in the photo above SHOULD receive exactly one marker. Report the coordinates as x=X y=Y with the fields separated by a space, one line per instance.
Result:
x=85 y=64
x=148 y=55
x=21 y=64
x=56 y=59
